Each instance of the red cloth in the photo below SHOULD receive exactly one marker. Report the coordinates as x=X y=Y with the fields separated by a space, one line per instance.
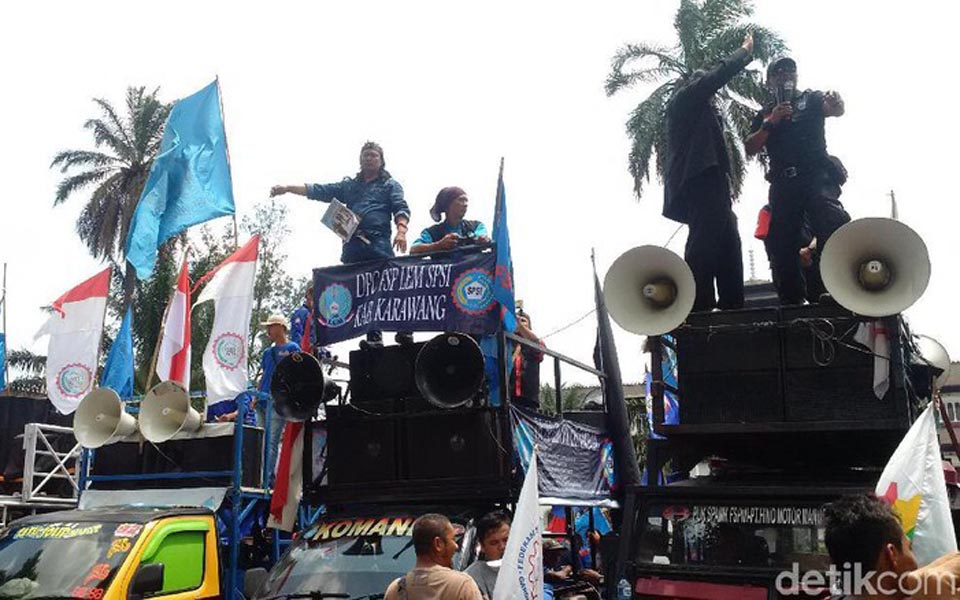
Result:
x=305 y=340
x=763 y=224
x=281 y=486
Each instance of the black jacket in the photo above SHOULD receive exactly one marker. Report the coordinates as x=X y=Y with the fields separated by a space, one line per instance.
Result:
x=695 y=133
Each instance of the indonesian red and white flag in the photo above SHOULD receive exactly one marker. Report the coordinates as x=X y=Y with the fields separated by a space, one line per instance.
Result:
x=289 y=482
x=230 y=286
x=173 y=360
x=75 y=328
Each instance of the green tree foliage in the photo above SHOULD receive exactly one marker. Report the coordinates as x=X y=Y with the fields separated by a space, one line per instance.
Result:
x=118 y=167
x=707 y=31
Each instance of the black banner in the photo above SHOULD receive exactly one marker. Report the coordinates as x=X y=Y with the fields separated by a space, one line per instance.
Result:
x=450 y=291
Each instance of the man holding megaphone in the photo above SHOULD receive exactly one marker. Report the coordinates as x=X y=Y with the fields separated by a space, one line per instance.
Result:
x=804 y=180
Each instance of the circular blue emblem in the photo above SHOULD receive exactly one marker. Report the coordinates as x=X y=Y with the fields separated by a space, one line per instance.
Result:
x=334 y=305
x=473 y=292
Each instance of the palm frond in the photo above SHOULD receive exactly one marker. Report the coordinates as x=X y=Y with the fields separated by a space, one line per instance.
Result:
x=666 y=64
x=645 y=128
x=80 y=180
x=721 y=15
x=103 y=134
x=689 y=26
x=120 y=130
x=27 y=362
x=31 y=386
x=738 y=167
x=81 y=158
x=100 y=218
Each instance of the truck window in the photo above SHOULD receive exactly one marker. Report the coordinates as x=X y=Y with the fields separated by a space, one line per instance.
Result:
x=183 y=557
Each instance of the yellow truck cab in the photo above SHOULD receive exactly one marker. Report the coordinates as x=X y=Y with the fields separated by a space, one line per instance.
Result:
x=111 y=554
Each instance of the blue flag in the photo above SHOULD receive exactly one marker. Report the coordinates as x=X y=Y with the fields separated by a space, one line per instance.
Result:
x=118 y=370
x=503 y=279
x=189 y=182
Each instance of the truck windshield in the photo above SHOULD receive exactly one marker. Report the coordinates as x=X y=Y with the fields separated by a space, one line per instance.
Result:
x=329 y=560
x=742 y=535
x=62 y=559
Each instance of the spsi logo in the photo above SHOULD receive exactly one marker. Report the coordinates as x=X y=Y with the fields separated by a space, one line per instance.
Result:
x=228 y=350
x=74 y=380
x=473 y=292
x=334 y=305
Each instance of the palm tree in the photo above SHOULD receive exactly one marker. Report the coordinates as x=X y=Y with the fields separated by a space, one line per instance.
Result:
x=707 y=31
x=118 y=167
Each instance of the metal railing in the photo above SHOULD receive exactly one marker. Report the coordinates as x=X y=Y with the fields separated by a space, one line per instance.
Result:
x=36 y=444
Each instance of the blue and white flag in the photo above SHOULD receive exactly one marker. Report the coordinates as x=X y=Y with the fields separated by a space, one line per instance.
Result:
x=503 y=279
x=189 y=182
x=521 y=571
x=118 y=370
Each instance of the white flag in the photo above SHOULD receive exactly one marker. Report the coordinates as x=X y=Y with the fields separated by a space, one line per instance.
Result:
x=913 y=484
x=173 y=360
x=231 y=289
x=521 y=572
x=873 y=335
x=74 y=329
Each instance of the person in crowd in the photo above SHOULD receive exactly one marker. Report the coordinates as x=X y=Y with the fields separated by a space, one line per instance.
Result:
x=374 y=195
x=525 y=366
x=433 y=577
x=281 y=347
x=805 y=181
x=696 y=186
x=303 y=329
x=863 y=532
x=450 y=205
x=493 y=529
x=227 y=410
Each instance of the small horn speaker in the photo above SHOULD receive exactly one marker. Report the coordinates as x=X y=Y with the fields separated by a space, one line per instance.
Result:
x=936 y=356
x=166 y=411
x=649 y=290
x=299 y=387
x=449 y=370
x=101 y=419
x=875 y=267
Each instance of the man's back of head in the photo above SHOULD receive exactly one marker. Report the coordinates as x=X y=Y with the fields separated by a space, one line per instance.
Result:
x=430 y=539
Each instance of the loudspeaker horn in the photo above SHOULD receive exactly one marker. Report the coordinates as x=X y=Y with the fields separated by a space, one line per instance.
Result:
x=449 y=370
x=936 y=356
x=299 y=387
x=100 y=419
x=649 y=290
x=166 y=411
x=875 y=267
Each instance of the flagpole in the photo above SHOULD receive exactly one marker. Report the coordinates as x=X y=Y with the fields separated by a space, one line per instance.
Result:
x=226 y=147
x=3 y=306
x=102 y=323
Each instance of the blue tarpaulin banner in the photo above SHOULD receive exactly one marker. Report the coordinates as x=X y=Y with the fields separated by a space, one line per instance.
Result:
x=450 y=291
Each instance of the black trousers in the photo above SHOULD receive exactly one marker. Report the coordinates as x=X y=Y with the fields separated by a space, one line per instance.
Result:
x=713 y=246
x=815 y=196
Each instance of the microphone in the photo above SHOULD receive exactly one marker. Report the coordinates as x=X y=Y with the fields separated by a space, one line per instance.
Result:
x=786 y=90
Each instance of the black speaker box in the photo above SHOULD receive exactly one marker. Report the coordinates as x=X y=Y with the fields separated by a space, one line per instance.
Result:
x=460 y=443
x=361 y=449
x=386 y=372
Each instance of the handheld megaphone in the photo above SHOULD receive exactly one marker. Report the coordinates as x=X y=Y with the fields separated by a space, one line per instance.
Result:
x=101 y=419
x=299 y=387
x=875 y=267
x=166 y=411
x=936 y=356
x=449 y=370
x=649 y=290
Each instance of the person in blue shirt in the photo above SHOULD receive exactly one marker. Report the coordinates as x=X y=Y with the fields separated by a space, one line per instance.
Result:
x=282 y=347
x=227 y=410
x=452 y=203
x=374 y=195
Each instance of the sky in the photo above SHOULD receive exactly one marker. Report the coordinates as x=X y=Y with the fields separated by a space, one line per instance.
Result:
x=449 y=88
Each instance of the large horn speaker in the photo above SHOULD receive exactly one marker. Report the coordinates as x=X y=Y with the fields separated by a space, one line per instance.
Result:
x=649 y=290
x=166 y=411
x=100 y=419
x=936 y=356
x=875 y=267
x=449 y=370
x=299 y=387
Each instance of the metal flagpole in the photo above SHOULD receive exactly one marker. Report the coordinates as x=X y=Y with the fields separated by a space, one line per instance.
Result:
x=96 y=365
x=3 y=307
x=226 y=145
x=893 y=206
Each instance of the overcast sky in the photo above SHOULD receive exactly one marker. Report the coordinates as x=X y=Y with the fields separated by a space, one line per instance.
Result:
x=447 y=89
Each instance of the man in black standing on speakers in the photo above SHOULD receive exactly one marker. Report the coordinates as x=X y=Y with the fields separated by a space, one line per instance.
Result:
x=804 y=180
x=697 y=190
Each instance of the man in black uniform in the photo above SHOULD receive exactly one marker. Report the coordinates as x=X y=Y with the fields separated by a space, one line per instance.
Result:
x=697 y=190
x=804 y=180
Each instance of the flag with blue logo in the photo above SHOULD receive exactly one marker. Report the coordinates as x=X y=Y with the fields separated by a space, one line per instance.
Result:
x=503 y=275
x=189 y=182
x=118 y=370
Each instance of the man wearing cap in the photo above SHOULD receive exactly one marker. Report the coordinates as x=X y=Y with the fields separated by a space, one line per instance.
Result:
x=374 y=196
x=804 y=180
x=282 y=347
x=697 y=187
x=452 y=203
